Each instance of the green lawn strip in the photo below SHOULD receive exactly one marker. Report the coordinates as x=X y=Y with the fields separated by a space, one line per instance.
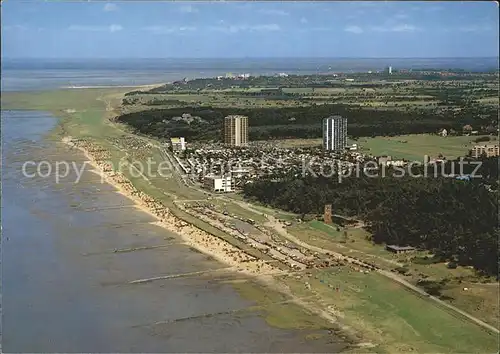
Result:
x=394 y=317
x=479 y=300
x=327 y=229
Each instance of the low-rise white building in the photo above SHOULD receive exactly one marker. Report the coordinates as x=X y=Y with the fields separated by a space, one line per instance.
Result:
x=396 y=163
x=178 y=144
x=388 y=161
x=218 y=183
x=383 y=160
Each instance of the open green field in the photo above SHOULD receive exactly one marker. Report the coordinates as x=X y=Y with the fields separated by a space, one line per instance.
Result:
x=479 y=299
x=330 y=230
x=317 y=233
x=380 y=308
x=414 y=147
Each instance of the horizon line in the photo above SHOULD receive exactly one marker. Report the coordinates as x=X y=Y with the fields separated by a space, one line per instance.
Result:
x=246 y=57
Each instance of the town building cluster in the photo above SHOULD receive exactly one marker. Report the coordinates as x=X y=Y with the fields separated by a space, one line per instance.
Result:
x=223 y=168
x=234 y=76
x=229 y=166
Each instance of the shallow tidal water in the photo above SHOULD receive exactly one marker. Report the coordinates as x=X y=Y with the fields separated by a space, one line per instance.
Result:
x=66 y=282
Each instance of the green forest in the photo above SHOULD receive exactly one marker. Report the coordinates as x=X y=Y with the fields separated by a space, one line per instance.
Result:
x=457 y=220
x=303 y=122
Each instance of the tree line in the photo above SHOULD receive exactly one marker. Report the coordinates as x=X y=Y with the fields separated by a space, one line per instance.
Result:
x=302 y=122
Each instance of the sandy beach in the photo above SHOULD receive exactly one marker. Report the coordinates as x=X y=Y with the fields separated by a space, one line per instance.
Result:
x=201 y=240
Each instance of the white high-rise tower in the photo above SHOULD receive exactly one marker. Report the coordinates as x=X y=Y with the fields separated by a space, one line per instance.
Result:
x=335 y=133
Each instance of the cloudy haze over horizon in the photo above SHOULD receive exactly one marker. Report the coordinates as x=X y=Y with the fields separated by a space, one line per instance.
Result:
x=249 y=29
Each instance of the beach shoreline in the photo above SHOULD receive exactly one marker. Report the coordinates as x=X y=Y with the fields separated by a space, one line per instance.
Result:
x=223 y=251
x=199 y=239
x=237 y=260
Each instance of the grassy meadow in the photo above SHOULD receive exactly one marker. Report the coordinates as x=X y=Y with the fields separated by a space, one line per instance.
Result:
x=392 y=316
x=480 y=298
x=414 y=147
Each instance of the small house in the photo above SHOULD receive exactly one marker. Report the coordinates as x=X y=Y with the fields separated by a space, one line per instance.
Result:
x=467 y=129
x=383 y=160
x=399 y=249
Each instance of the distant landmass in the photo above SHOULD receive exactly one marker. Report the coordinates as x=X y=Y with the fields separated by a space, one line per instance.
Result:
x=298 y=65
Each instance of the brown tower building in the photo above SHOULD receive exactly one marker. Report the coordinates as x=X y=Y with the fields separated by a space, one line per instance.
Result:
x=236 y=130
x=327 y=217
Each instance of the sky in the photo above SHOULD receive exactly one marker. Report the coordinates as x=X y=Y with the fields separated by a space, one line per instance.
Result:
x=237 y=29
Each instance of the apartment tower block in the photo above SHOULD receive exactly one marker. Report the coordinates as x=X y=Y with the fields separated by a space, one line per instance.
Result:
x=335 y=133
x=236 y=130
